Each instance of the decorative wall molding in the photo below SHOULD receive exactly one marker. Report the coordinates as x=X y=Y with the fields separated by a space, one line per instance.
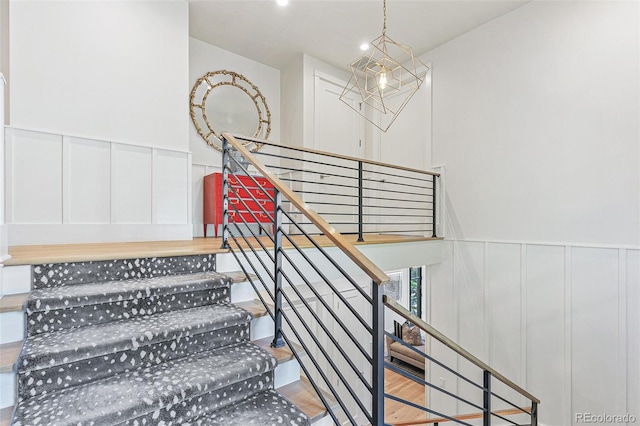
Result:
x=65 y=189
x=561 y=320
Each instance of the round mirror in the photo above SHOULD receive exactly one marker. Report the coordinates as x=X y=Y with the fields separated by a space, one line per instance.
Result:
x=227 y=101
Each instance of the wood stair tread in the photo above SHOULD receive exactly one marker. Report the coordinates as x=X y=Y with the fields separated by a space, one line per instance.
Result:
x=254 y=307
x=302 y=394
x=240 y=276
x=5 y=416
x=13 y=302
x=8 y=356
x=282 y=354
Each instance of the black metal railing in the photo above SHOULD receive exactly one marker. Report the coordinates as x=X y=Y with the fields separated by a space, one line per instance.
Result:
x=327 y=300
x=489 y=404
x=355 y=195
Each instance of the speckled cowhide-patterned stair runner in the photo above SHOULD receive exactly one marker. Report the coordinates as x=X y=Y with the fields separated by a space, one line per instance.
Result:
x=143 y=342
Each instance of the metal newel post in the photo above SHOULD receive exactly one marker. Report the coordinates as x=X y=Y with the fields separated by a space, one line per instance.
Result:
x=278 y=341
x=486 y=416
x=435 y=207
x=225 y=193
x=534 y=413
x=360 y=207
x=377 y=400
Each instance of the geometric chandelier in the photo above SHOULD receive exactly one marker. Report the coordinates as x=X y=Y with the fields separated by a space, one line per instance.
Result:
x=386 y=77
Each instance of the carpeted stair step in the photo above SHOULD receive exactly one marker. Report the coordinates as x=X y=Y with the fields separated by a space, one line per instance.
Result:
x=174 y=391
x=57 y=308
x=76 y=356
x=265 y=408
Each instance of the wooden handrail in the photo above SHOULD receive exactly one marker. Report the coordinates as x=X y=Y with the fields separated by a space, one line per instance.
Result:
x=400 y=310
x=505 y=412
x=334 y=155
x=371 y=269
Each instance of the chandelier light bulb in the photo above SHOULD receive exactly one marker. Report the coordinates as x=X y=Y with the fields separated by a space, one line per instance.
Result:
x=382 y=80
x=282 y=2
x=364 y=46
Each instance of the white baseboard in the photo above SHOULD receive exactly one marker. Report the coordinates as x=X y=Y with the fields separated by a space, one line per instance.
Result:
x=31 y=234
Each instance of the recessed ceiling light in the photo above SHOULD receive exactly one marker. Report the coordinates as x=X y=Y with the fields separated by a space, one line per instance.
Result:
x=282 y=2
x=364 y=46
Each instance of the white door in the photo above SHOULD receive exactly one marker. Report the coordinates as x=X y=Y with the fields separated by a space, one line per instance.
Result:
x=337 y=129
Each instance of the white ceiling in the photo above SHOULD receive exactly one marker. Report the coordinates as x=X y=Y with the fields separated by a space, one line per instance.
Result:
x=332 y=31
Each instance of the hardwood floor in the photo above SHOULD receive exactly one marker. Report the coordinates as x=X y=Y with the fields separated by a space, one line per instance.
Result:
x=59 y=253
x=398 y=385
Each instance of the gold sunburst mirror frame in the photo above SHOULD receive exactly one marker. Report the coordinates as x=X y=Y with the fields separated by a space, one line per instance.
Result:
x=232 y=108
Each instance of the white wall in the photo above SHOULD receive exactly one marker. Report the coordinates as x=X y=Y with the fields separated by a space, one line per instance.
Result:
x=4 y=53
x=203 y=58
x=536 y=118
x=113 y=71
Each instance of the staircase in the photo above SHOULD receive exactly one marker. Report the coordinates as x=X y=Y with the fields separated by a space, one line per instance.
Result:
x=128 y=342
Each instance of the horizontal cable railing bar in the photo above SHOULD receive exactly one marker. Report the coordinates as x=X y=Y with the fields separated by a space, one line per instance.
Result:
x=267 y=154
x=329 y=258
x=371 y=269
x=333 y=314
x=246 y=173
x=365 y=197
x=322 y=174
x=331 y=337
x=254 y=252
x=314 y=361
x=503 y=418
x=435 y=361
x=319 y=183
x=288 y=342
x=424 y=409
x=400 y=310
x=471 y=416
x=251 y=212
x=253 y=198
x=412 y=178
x=322 y=203
x=330 y=154
x=293 y=171
x=411 y=377
x=508 y=402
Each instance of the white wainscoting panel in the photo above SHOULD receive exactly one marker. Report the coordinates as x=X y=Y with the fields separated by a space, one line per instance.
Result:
x=65 y=189
x=633 y=331
x=545 y=322
x=170 y=187
x=470 y=282
x=131 y=184
x=198 y=173
x=594 y=330
x=86 y=181
x=34 y=177
x=566 y=316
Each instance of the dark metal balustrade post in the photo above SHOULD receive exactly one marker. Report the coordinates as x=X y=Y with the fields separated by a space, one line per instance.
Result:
x=225 y=194
x=360 y=206
x=278 y=341
x=377 y=399
x=435 y=207
x=534 y=413
x=486 y=416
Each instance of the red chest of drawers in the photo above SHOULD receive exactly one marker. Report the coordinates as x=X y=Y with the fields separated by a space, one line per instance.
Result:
x=261 y=190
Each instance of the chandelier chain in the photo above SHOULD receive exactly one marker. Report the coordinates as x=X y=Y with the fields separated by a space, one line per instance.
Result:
x=384 y=11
